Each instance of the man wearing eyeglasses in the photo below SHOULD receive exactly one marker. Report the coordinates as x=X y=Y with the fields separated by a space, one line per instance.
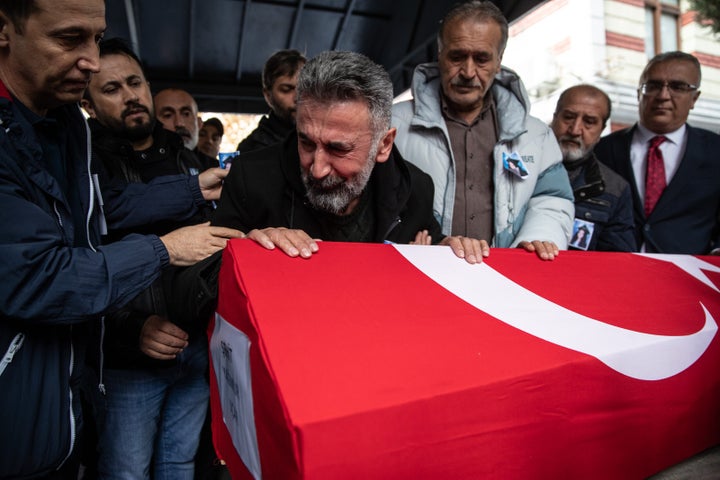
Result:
x=672 y=167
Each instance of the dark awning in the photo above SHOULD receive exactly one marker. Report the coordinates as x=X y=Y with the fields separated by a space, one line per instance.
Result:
x=216 y=49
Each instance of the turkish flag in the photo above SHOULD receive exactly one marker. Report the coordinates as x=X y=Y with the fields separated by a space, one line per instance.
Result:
x=376 y=361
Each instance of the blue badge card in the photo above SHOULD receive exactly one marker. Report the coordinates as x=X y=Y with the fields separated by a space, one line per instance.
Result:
x=513 y=163
x=226 y=158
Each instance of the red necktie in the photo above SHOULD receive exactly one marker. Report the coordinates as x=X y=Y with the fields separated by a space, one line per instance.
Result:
x=655 y=176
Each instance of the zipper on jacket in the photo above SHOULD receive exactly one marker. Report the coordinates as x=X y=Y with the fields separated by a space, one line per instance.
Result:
x=71 y=367
x=57 y=213
x=101 y=354
x=392 y=227
x=15 y=345
x=73 y=434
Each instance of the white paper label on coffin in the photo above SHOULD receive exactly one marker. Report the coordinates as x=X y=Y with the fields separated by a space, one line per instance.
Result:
x=230 y=353
x=638 y=355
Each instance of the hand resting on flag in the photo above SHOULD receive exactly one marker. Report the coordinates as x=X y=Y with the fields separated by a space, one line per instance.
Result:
x=471 y=249
x=295 y=242
x=545 y=250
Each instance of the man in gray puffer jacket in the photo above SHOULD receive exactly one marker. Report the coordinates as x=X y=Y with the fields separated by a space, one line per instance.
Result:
x=497 y=171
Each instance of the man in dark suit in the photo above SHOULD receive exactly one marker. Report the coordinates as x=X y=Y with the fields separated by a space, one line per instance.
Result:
x=673 y=168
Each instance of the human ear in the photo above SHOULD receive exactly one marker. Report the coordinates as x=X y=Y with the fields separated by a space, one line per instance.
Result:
x=385 y=147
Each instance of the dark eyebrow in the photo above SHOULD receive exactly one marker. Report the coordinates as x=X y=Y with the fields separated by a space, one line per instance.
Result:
x=342 y=146
x=672 y=80
x=70 y=30
x=111 y=83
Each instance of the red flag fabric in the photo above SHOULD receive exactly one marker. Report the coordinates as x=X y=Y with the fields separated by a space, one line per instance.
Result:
x=381 y=361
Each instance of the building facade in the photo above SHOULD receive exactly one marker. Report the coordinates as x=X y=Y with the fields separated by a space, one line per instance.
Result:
x=607 y=43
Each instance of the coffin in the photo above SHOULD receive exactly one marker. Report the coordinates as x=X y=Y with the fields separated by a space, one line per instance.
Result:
x=372 y=361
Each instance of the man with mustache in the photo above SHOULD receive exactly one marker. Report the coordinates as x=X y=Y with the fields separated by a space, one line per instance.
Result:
x=340 y=178
x=154 y=371
x=603 y=205
x=671 y=166
x=469 y=115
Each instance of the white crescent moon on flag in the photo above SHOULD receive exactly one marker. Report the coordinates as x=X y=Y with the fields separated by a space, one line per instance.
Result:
x=638 y=355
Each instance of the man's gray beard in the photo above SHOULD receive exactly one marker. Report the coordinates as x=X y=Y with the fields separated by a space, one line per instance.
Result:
x=343 y=192
x=572 y=155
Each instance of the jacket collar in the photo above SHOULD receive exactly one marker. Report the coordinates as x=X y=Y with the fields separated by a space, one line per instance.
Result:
x=511 y=100
x=587 y=181
x=278 y=124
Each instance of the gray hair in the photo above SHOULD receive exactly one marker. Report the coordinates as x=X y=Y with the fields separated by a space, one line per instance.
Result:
x=478 y=11
x=668 y=56
x=341 y=76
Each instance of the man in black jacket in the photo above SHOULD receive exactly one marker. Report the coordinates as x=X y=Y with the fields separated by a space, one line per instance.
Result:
x=341 y=179
x=279 y=82
x=154 y=368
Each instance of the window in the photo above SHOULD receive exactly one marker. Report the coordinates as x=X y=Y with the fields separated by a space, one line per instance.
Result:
x=662 y=33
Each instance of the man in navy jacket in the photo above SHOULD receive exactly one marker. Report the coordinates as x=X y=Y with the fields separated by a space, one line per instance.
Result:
x=685 y=218
x=55 y=276
x=603 y=203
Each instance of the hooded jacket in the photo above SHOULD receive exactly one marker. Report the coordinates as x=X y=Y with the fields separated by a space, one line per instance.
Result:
x=53 y=284
x=537 y=207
